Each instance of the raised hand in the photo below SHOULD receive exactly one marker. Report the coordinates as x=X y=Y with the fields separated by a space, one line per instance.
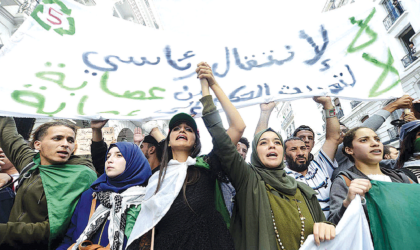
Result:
x=98 y=124
x=404 y=102
x=409 y=117
x=267 y=106
x=322 y=99
x=204 y=72
x=138 y=136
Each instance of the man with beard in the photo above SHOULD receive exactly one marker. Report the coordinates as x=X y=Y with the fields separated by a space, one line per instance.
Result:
x=296 y=155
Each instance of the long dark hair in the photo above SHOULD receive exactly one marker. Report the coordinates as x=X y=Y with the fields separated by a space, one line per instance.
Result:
x=193 y=174
x=407 y=147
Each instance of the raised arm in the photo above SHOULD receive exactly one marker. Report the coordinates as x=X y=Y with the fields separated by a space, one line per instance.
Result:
x=233 y=164
x=13 y=144
x=138 y=136
x=152 y=128
x=236 y=123
x=266 y=109
x=375 y=121
x=98 y=147
x=332 y=135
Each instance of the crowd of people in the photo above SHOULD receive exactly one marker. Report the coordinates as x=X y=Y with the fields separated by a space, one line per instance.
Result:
x=161 y=193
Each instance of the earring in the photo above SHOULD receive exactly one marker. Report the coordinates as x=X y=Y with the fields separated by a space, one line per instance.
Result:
x=169 y=144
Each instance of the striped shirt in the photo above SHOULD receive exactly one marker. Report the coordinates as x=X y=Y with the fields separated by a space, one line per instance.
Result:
x=318 y=178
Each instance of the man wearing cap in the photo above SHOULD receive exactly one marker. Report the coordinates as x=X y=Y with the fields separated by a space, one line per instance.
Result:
x=151 y=148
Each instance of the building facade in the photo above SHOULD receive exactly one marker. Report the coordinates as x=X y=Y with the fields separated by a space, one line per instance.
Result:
x=402 y=23
x=286 y=118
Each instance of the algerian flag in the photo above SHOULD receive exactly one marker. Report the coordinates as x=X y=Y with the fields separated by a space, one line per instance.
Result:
x=394 y=213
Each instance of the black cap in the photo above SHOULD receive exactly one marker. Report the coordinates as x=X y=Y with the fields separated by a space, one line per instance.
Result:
x=150 y=139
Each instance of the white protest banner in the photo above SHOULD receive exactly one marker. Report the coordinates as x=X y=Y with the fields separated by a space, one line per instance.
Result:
x=352 y=232
x=75 y=62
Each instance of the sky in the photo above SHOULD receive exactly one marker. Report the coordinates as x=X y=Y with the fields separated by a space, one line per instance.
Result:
x=193 y=18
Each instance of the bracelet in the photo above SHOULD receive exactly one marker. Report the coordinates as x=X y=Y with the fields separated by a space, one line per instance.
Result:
x=329 y=113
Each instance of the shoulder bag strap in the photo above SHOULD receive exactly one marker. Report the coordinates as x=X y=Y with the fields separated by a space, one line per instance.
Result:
x=24 y=174
x=346 y=179
x=93 y=207
x=22 y=177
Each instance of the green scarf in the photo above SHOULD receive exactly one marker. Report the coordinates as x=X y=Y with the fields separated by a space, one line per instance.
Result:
x=218 y=196
x=275 y=177
x=132 y=214
x=63 y=185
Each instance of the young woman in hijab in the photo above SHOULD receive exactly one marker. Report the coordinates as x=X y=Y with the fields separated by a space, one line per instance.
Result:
x=364 y=148
x=409 y=158
x=183 y=200
x=272 y=210
x=106 y=213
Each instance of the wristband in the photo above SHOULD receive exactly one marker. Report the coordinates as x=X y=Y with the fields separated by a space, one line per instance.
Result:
x=329 y=113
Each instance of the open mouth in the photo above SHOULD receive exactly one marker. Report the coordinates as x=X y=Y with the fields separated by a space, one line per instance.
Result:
x=302 y=160
x=272 y=155
x=182 y=137
x=376 y=151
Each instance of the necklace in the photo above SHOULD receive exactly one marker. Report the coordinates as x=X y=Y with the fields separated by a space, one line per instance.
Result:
x=302 y=232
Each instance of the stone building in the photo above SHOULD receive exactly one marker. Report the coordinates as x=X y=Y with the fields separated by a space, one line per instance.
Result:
x=402 y=23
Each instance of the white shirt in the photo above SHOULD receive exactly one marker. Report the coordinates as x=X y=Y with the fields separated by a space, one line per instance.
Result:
x=318 y=178
x=380 y=177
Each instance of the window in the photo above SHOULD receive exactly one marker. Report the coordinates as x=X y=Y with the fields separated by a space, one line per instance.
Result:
x=339 y=111
x=354 y=104
x=364 y=118
x=394 y=9
x=332 y=6
x=408 y=46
